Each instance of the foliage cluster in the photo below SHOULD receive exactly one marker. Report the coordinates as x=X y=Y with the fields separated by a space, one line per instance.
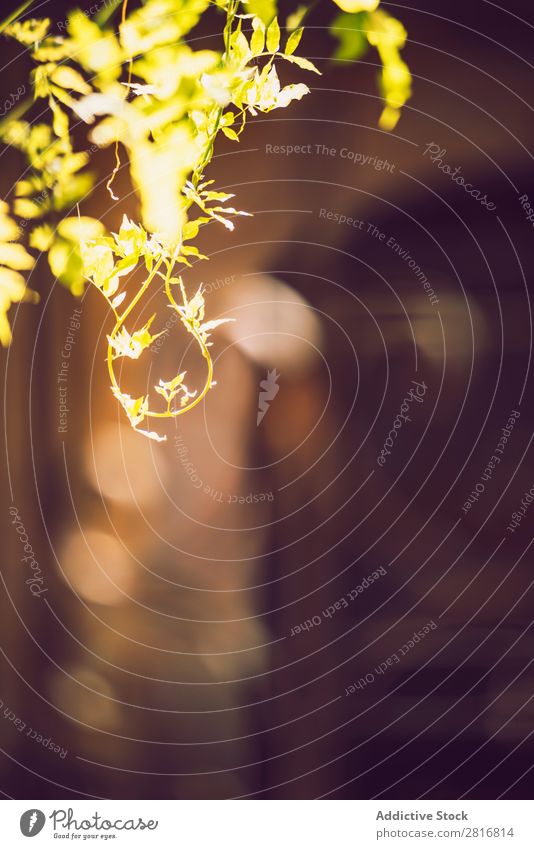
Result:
x=143 y=89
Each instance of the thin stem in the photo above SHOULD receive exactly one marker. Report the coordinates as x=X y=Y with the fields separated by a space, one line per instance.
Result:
x=117 y=156
x=122 y=318
x=205 y=352
x=14 y=15
x=195 y=179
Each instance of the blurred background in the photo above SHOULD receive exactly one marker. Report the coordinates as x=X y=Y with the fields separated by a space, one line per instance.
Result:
x=211 y=626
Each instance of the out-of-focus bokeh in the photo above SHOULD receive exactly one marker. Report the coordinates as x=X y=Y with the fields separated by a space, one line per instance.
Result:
x=320 y=585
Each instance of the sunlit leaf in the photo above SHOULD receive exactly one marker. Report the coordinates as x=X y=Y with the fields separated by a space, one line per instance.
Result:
x=136 y=408
x=264 y=9
x=117 y=301
x=230 y=134
x=303 y=63
x=295 y=19
x=350 y=31
x=95 y=50
x=273 y=36
x=357 y=5
x=293 y=41
x=13 y=289
x=80 y=228
x=98 y=261
x=29 y=32
x=15 y=256
x=69 y=78
x=41 y=237
x=257 y=41
x=132 y=345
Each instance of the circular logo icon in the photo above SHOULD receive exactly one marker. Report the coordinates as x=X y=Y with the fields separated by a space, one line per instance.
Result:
x=32 y=822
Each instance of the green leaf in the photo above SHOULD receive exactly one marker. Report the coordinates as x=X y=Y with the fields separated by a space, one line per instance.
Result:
x=132 y=346
x=257 y=41
x=98 y=261
x=41 y=237
x=80 y=228
x=303 y=63
x=293 y=41
x=190 y=230
x=125 y=265
x=273 y=36
x=355 y=6
x=71 y=79
x=52 y=49
x=136 y=408
x=263 y=9
x=12 y=290
x=170 y=388
x=158 y=23
x=95 y=50
x=66 y=264
x=191 y=250
x=26 y=32
x=60 y=121
x=8 y=229
x=295 y=19
x=350 y=31
x=240 y=48
x=230 y=134
x=70 y=191
x=25 y=208
x=209 y=196
x=15 y=256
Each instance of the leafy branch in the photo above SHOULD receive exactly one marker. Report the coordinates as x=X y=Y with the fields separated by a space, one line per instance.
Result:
x=144 y=91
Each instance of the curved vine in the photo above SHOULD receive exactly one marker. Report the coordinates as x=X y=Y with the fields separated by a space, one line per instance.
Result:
x=145 y=90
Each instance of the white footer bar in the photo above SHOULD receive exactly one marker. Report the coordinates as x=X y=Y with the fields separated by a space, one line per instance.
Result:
x=256 y=824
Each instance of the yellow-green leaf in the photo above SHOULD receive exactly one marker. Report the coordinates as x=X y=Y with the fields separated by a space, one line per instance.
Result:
x=15 y=256
x=60 y=122
x=69 y=78
x=25 y=208
x=303 y=63
x=41 y=237
x=98 y=262
x=264 y=9
x=295 y=19
x=257 y=41
x=80 y=229
x=13 y=290
x=230 y=134
x=357 y=5
x=8 y=229
x=95 y=50
x=273 y=36
x=65 y=263
x=293 y=41
x=29 y=32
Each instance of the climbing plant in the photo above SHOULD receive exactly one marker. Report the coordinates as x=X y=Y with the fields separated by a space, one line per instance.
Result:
x=142 y=89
